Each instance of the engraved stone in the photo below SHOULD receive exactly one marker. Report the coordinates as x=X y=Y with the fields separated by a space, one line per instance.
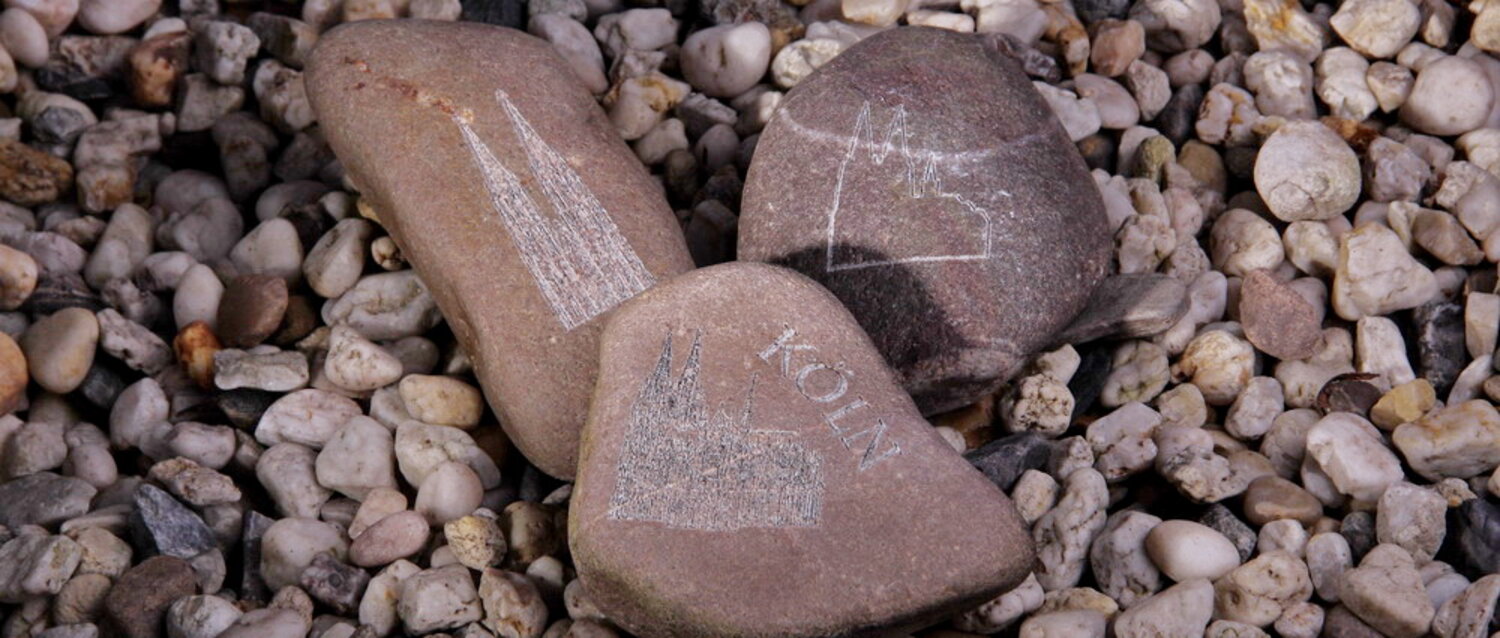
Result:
x=743 y=419
x=962 y=238
x=524 y=192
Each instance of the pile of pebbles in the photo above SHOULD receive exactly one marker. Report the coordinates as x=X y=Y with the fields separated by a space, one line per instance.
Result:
x=244 y=415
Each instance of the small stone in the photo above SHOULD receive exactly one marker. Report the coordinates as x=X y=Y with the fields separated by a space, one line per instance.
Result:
x=1004 y=460
x=1328 y=556
x=1122 y=441
x=59 y=348
x=137 y=604
x=726 y=60
x=30 y=177
x=1376 y=275
x=1064 y=534
x=200 y=617
x=251 y=309
x=1411 y=517
x=1376 y=28
x=1119 y=558
x=290 y=545
x=1403 y=404
x=36 y=565
x=360 y=457
x=197 y=485
x=1271 y=498
x=44 y=499
x=449 y=491
x=223 y=48
x=1181 y=610
x=1352 y=454
x=513 y=606
x=442 y=400
x=1456 y=441
x=476 y=541
x=435 y=599
x=267 y=623
x=1477 y=535
x=162 y=525
x=273 y=370
x=1185 y=551
x=1469 y=614
x=1306 y=172
x=377 y=608
x=1451 y=96
x=288 y=472
x=394 y=537
x=1443 y=237
x=1387 y=591
x=306 y=417
x=1276 y=319
x=333 y=583
x=1257 y=592
x=1219 y=363
x=421 y=448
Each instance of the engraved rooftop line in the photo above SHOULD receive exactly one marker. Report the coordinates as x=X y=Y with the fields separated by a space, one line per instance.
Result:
x=921 y=180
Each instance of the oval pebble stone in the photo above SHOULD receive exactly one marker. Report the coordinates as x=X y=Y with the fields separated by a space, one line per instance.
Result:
x=922 y=179
x=59 y=349
x=745 y=420
x=507 y=189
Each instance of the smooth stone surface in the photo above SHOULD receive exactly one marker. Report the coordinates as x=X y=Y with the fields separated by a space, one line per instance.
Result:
x=508 y=138
x=43 y=498
x=137 y=604
x=964 y=243
x=758 y=373
x=1129 y=306
x=1276 y=319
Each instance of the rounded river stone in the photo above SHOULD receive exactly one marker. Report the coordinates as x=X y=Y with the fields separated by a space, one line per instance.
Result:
x=922 y=179
x=505 y=186
x=747 y=431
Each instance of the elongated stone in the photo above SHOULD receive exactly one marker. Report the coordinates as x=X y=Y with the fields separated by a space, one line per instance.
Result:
x=743 y=419
x=921 y=178
x=526 y=216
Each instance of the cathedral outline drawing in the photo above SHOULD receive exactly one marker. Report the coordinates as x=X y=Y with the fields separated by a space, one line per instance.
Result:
x=687 y=466
x=579 y=260
x=921 y=180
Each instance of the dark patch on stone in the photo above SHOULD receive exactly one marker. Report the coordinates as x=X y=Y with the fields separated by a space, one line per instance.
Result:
x=1359 y=529
x=252 y=586
x=1223 y=521
x=159 y=524
x=1095 y=362
x=1350 y=392
x=505 y=13
x=56 y=291
x=1176 y=120
x=103 y=383
x=244 y=406
x=1441 y=353
x=907 y=341
x=1475 y=532
x=1003 y=461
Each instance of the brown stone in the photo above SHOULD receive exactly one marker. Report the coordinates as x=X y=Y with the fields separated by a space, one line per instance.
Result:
x=195 y=346
x=1271 y=498
x=1405 y=403
x=922 y=179
x=138 y=602
x=744 y=420
x=505 y=186
x=251 y=309
x=1277 y=320
x=299 y=320
x=156 y=66
x=13 y=375
x=29 y=177
x=1349 y=392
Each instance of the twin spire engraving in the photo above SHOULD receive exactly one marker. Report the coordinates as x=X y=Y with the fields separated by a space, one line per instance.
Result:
x=685 y=467
x=918 y=183
x=575 y=253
